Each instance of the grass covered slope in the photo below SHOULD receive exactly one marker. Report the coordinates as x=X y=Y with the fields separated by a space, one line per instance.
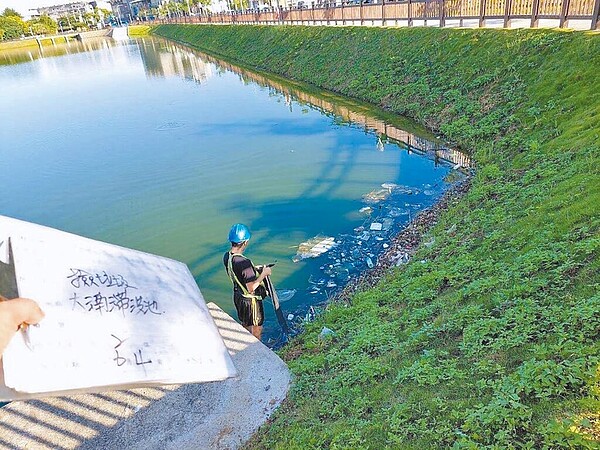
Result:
x=490 y=338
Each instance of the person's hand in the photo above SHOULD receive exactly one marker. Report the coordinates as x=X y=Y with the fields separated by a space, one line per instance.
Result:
x=14 y=314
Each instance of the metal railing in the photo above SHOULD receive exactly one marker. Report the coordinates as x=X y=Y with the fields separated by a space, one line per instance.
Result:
x=413 y=12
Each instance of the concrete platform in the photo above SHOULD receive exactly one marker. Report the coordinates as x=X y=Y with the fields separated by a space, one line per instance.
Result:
x=219 y=415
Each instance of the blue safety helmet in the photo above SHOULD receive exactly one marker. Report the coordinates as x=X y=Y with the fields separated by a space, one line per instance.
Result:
x=239 y=233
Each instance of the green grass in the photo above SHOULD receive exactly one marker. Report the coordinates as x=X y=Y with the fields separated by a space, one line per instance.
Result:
x=25 y=43
x=490 y=338
x=138 y=30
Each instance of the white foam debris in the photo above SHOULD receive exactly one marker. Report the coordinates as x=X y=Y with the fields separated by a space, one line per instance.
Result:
x=314 y=247
x=376 y=196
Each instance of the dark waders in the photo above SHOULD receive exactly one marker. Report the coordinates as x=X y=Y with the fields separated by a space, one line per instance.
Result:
x=278 y=313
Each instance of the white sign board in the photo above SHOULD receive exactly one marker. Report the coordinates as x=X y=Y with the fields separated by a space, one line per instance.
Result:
x=115 y=317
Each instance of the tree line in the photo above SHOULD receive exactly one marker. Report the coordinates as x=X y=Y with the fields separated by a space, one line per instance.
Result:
x=12 y=25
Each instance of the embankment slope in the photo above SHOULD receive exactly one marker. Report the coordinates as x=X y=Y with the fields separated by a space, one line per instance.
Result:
x=491 y=336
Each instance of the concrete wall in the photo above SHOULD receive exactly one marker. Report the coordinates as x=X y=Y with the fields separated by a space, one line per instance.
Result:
x=219 y=415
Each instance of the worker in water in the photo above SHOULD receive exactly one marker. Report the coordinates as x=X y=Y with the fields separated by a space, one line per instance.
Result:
x=246 y=279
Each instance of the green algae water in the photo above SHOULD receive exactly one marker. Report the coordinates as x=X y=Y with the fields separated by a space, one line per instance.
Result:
x=149 y=145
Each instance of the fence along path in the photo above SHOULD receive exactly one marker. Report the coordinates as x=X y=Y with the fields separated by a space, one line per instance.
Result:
x=442 y=13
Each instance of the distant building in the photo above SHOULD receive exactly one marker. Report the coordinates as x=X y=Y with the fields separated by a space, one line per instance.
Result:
x=68 y=9
x=128 y=9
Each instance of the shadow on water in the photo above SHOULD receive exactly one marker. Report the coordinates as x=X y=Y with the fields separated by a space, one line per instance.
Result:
x=317 y=199
x=359 y=146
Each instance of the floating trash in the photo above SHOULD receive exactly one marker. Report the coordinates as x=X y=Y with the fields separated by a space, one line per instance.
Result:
x=342 y=274
x=285 y=294
x=386 y=245
x=428 y=192
x=389 y=186
x=290 y=317
x=331 y=284
x=311 y=314
x=377 y=196
x=369 y=262
x=326 y=332
x=364 y=236
x=170 y=126
x=405 y=190
x=366 y=210
x=376 y=226
x=314 y=247
x=397 y=212
x=387 y=224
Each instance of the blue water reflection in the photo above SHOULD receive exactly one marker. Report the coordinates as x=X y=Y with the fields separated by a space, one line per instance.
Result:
x=150 y=145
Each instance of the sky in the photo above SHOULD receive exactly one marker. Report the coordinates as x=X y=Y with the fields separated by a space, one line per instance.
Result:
x=23 y=6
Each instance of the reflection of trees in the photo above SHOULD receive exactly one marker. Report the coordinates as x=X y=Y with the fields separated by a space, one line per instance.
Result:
x=20 y=55
x=162 y=60
x=350 y=114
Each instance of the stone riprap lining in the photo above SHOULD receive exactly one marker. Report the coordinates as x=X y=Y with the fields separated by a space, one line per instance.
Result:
x=404 y=245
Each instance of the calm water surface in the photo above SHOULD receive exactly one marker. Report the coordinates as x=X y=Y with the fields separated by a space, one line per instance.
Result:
x=148 y=145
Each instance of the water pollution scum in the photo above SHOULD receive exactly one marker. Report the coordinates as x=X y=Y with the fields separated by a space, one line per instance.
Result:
x=395 y=218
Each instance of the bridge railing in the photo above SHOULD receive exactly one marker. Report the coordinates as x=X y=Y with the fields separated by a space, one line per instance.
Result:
x=415 y=12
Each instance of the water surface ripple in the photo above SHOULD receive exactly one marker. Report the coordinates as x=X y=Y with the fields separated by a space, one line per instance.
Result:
x=152 y=146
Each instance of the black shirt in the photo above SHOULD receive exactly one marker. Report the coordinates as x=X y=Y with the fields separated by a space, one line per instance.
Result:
x=243 y=270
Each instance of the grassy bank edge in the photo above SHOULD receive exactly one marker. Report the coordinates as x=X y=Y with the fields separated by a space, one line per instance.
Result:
x=491 y=337
x=27 y=43
x=138 y=30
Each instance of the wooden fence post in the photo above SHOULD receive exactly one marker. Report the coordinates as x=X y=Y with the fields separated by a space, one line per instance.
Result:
x=564 y=12
x=481 y=13
x=442 y=4
x=507 y=11
x=534 y=14
x=362 y=20
x=595 y=15
x=382 y=13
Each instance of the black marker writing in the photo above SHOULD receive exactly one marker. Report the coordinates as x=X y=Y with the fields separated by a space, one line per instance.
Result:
x=119 y=359
x=110 y=294
x=82 y=278
x=120 y=301
x=141 y=361
x=138 y=357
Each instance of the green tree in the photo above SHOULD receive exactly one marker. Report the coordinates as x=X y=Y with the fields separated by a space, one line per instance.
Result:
x=171 y=9
x=199 y=5
x=9 y=12
x=41 y=25
x=66 y=23
x=12 y=27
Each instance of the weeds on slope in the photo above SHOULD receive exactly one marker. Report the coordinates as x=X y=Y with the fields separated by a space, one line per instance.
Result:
x=490 y=338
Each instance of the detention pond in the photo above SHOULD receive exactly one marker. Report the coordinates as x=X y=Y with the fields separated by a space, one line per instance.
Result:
x=149 y=145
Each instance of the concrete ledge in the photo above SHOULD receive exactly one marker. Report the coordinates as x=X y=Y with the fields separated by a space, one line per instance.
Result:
x=219 y=415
